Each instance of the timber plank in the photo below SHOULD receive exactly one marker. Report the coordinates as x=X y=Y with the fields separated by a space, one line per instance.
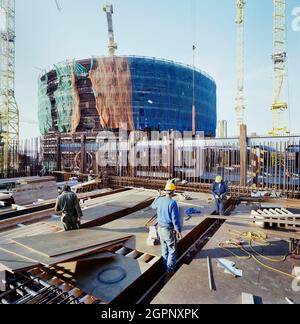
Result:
x=13 y=263
x=51 y=245
x=37 y=259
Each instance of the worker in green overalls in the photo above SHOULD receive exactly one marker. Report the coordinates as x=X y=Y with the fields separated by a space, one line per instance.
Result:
x=68 y=204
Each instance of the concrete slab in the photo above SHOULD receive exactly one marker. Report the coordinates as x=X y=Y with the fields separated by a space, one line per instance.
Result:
x=104 y=279
x=190 y=285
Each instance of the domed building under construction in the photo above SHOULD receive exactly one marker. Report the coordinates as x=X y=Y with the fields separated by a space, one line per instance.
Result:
x=84 y=97
x=142 y=93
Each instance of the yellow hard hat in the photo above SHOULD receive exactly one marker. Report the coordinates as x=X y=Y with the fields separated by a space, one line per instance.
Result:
x=170 y=187
x=219 y=179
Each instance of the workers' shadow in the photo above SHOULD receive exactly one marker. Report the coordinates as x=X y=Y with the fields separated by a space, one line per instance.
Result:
x=258 y=300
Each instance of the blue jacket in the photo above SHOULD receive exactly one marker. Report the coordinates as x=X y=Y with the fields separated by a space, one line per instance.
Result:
x=220 y=190
x=167 y=213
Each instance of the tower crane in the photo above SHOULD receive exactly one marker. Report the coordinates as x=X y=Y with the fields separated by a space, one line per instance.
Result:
x=58 y=6
x=279 y=106
x=112 y=46
x=240 y=99
x=8 y=106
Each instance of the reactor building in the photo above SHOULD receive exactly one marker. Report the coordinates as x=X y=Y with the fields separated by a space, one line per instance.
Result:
x=143 y=93
x=85 y=97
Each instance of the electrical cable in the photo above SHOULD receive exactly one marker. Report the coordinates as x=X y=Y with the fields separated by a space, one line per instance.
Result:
x=261 y=239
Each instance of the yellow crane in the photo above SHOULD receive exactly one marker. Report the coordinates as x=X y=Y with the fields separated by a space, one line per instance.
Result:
x=280 y=106
x=8 y=106
x=240 y=99
x=9 y=112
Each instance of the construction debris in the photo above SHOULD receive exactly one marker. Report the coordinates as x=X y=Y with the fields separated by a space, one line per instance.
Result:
x=229 y=268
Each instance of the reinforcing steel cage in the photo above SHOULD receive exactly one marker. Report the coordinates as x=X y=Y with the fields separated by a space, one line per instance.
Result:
x=270 y=164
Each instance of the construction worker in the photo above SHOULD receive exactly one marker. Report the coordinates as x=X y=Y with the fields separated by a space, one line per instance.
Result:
x=220 y=191
x=68 y=204
x=91 y=176
x=169 y=227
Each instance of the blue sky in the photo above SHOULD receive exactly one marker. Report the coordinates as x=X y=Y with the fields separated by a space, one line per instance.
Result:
x=164 y=29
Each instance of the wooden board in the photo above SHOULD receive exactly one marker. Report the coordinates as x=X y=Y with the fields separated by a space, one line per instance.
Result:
x=52 y=245
x=98 y=256
x=32 y=192
x=30 y=230
x=13 y=263
x=129 y=200
x=97 y=212
x=126 y=199
x=21 y=252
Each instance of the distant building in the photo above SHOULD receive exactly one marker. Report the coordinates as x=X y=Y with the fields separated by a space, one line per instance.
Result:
x=81 y=98
x=145 y=93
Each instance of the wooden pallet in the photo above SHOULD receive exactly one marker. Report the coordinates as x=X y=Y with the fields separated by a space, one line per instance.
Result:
x=281 y=218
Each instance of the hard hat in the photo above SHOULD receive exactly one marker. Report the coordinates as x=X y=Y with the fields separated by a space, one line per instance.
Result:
x=219 y=179
x=170 y=187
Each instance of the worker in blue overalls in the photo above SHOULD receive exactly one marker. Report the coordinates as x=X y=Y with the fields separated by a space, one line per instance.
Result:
x=169 y=227
x=220 y=191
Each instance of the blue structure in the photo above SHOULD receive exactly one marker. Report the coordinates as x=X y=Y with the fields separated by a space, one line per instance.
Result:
x=146 y=93
x=162 y=96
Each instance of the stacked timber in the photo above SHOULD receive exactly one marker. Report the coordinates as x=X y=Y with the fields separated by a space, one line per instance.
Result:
x=19 y=253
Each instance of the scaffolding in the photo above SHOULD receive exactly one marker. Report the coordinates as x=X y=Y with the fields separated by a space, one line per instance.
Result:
x=8 y=106
x=280 y=106
x=66 y=96
x=44 y=104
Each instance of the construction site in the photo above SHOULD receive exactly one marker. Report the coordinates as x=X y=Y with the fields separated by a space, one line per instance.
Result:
x=116 y=129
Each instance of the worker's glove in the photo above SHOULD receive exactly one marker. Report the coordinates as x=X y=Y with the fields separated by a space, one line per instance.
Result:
x=178 y=236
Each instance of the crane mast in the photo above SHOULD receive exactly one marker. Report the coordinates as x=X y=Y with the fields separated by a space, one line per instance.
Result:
x=8 y=105
x=240 y=99
x=112 y=46
x=280 y=106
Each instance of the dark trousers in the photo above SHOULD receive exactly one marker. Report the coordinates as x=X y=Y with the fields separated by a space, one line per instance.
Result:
x=220 y=205
x=70 y=223
x=169 y=248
